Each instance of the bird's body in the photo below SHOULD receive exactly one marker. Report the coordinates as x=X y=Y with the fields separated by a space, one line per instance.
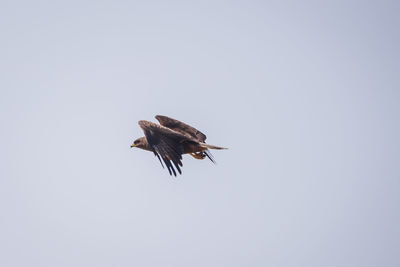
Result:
x=188 y=147
x=172 y=138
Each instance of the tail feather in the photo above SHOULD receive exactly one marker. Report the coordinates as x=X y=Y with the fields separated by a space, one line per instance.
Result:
x=211 y=146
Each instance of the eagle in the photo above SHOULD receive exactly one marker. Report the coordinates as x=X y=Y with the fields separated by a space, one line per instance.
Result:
x=170 y=139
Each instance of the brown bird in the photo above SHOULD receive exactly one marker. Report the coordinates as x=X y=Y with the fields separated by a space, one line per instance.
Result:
x=171 y=139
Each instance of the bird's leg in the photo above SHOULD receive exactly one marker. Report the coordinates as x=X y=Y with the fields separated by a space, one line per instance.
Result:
x=198 y=155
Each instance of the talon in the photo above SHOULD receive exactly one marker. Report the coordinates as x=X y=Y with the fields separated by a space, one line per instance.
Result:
x=198 y=155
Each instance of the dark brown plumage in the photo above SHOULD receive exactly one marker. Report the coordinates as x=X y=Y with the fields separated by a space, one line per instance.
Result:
x=172 y=138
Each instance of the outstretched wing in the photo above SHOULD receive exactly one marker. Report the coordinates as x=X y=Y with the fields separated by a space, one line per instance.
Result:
x=181 y=127
x=166 y=144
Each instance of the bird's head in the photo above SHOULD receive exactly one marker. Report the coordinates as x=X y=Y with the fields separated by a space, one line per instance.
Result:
x=140 y=143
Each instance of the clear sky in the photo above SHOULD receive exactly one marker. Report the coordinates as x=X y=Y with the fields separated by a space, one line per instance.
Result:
x=304 y=93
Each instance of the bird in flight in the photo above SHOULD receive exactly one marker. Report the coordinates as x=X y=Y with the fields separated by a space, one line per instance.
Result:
x=172 y=138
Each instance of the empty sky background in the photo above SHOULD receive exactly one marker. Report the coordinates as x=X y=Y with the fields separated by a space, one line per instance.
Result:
x=304 y=93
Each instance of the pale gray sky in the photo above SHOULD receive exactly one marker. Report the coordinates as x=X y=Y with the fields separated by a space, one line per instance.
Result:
x=304 y=93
